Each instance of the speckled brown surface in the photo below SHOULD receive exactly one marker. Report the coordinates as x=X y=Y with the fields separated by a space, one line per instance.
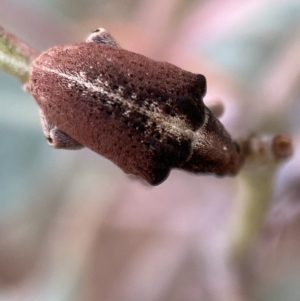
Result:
x=139 y=113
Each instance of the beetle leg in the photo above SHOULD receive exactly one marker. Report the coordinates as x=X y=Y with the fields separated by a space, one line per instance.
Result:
x=55 y=137
x=100 y=35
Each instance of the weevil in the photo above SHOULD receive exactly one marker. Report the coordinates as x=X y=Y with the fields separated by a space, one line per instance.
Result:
x=147 y=117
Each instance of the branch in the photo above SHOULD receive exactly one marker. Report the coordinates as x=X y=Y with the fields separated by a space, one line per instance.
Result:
x=262 y=155
x=15 y=56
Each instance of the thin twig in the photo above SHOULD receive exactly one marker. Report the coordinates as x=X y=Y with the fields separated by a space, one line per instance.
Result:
x=262 y=155
x=15 y=55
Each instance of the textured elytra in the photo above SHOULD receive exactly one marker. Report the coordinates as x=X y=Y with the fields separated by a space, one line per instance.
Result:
x=145 y=116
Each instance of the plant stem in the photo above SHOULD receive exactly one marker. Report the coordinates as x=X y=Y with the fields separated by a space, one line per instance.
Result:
x=15 y=56
x=255 y=194
x=262 y=154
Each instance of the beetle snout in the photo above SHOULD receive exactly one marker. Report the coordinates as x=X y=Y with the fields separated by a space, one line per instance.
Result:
x=213 y=150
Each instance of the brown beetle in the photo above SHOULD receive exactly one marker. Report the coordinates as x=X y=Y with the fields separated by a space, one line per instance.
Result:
x=146 y=116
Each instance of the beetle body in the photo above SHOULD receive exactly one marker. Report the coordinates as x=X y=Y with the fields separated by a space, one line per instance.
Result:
x=145 y=116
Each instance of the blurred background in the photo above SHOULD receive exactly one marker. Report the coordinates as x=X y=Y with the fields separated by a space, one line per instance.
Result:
x=74 y=227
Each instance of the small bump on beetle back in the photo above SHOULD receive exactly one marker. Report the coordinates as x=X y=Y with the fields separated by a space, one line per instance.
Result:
x=100 y=35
